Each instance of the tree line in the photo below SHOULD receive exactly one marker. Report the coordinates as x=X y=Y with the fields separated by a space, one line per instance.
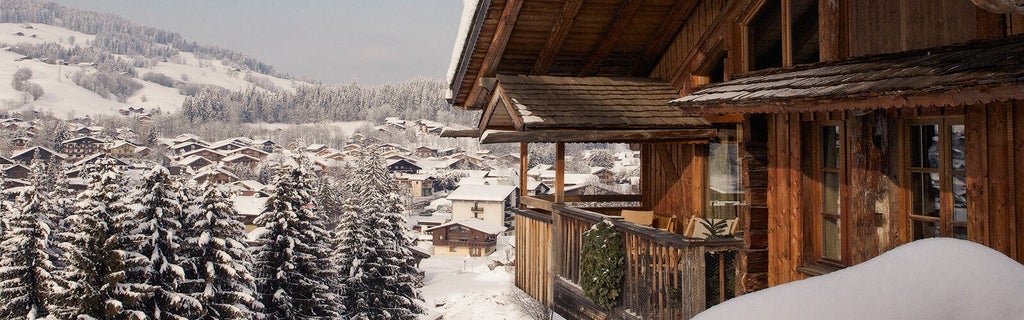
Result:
x=164 y=248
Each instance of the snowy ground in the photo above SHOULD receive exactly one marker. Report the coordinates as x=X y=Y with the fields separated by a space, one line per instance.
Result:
x=468 y=288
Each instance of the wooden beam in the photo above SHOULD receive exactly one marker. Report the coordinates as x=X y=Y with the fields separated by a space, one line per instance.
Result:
x=831 y=35
x=559 y=172
x=502 y=33
x=617 y=136
x=626 y=11
x=524 y=153
x=558 y=33
x=659 y=41
x=469 y=133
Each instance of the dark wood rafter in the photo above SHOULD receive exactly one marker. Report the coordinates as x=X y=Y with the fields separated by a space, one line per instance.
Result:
x=496 y=49
x=625 y=15
x=659 y=40
x=559 y=32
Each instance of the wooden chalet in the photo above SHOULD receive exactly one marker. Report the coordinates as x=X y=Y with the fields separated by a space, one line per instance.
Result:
x=468 y=237
x=826 y=131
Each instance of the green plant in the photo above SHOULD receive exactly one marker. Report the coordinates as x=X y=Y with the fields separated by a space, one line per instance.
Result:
x=602 y=264
x=717 y=229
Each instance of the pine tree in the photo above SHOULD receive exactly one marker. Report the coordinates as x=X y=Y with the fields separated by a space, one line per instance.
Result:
x=93 y=259
x=154 y=242
x=26 y=256
x=379 y=277
x=291 y=255
x=228 y=290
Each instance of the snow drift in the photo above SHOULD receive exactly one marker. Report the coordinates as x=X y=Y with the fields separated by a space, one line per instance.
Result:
x=925 y=279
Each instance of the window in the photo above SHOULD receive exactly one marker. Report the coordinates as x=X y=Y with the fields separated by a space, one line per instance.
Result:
x=935 y=174
x=830 y=169
x=725 y=185
x=764 y=37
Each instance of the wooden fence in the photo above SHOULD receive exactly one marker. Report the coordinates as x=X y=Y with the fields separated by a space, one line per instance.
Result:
x=533 y=243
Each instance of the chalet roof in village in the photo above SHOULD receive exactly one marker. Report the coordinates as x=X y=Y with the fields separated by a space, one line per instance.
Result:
x=473 y=223
x=481 y=192
x=974 y=72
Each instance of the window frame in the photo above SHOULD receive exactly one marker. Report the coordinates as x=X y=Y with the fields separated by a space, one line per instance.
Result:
x=818 y=214
x=945 y=171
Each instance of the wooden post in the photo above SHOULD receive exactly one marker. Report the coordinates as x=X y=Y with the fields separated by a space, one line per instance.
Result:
x=524 y=153
x=559 y=172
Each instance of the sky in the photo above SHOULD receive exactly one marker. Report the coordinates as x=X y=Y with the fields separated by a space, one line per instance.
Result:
x=334 y=41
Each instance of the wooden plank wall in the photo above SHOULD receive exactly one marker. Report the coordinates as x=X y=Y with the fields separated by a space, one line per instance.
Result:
x=882 y=26
x=533 y=243
x=995 y=166
x=1016 y=24
x=673 y=179
x=784 y=223
x=694 y=29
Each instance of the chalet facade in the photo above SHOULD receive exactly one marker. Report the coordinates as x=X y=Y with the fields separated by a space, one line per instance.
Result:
x=470 y=237
x=403 y=165
x=82 y=147
x=485 y=202
x=26 y=156
x=418 y=185
x=845 y=127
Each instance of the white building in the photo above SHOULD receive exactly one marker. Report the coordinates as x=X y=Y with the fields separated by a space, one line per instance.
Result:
x=484 y=202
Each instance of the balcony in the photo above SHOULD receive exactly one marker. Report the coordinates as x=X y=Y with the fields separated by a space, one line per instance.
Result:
x=668 y=276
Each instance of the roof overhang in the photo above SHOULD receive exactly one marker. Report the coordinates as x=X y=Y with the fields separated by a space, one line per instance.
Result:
x=616 y=38
x=975 y=72
x=584 y=109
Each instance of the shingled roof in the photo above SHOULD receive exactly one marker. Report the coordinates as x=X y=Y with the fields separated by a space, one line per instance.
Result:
x=970 y=73
x=584 y=109
x=594 y=103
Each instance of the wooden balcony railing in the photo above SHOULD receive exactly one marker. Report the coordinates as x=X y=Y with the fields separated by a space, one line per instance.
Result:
x=668 y=276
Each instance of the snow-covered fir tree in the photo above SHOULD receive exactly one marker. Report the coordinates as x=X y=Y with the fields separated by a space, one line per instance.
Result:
x=376 y=267
x=153 y=252
x=228 y=290
x=94 y=260
x=291 y=254
x=26 y=255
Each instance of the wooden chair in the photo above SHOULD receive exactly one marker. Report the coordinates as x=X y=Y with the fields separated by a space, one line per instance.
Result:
x=665 y=223
x=643 y=218
x=696 y=229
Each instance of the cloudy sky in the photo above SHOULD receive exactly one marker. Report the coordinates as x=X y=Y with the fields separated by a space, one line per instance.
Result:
x=335 y=41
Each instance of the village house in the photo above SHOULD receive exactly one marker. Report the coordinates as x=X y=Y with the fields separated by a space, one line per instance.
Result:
x=425 y=152
x=403 y=165
x=485 y=202
x=122 y=149
x=845 y=128
x=26 y=156
x=187 y=146
x=468 y=237
x=212 y=155
x=418 y=185
x=81 y=147
x=240 y=159
x=249 y=151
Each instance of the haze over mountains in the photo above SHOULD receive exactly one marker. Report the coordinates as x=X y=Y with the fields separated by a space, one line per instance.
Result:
x=83 y=62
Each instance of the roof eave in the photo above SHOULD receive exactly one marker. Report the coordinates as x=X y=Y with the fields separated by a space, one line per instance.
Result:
x=467 y=52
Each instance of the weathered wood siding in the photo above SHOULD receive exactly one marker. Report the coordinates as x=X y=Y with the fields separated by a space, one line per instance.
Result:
x=875 y=215
x=753 y=259
x=673 y=179
x=883 y=26
x=675 y=60
x=995 y=168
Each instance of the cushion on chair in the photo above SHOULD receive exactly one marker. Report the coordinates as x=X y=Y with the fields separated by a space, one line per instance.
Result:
x=644 y=218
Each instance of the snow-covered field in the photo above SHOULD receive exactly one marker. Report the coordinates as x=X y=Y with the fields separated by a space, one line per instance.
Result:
x=64 y=98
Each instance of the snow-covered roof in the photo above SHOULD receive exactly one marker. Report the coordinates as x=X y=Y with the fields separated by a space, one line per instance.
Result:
x=237 y=156
x=461 y=38
x=82 y=139
x=481 y=192
x=191 y=160
x=201 y=150
x=22 y=152
x=249 y=206
x=939 y=278
x=475 y=224
x=571 y=178
x=251 y=185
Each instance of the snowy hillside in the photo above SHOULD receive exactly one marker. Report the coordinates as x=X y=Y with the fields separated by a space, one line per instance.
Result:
x=64 y=98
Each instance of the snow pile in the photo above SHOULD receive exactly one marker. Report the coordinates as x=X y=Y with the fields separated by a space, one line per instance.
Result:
x=926 y=279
